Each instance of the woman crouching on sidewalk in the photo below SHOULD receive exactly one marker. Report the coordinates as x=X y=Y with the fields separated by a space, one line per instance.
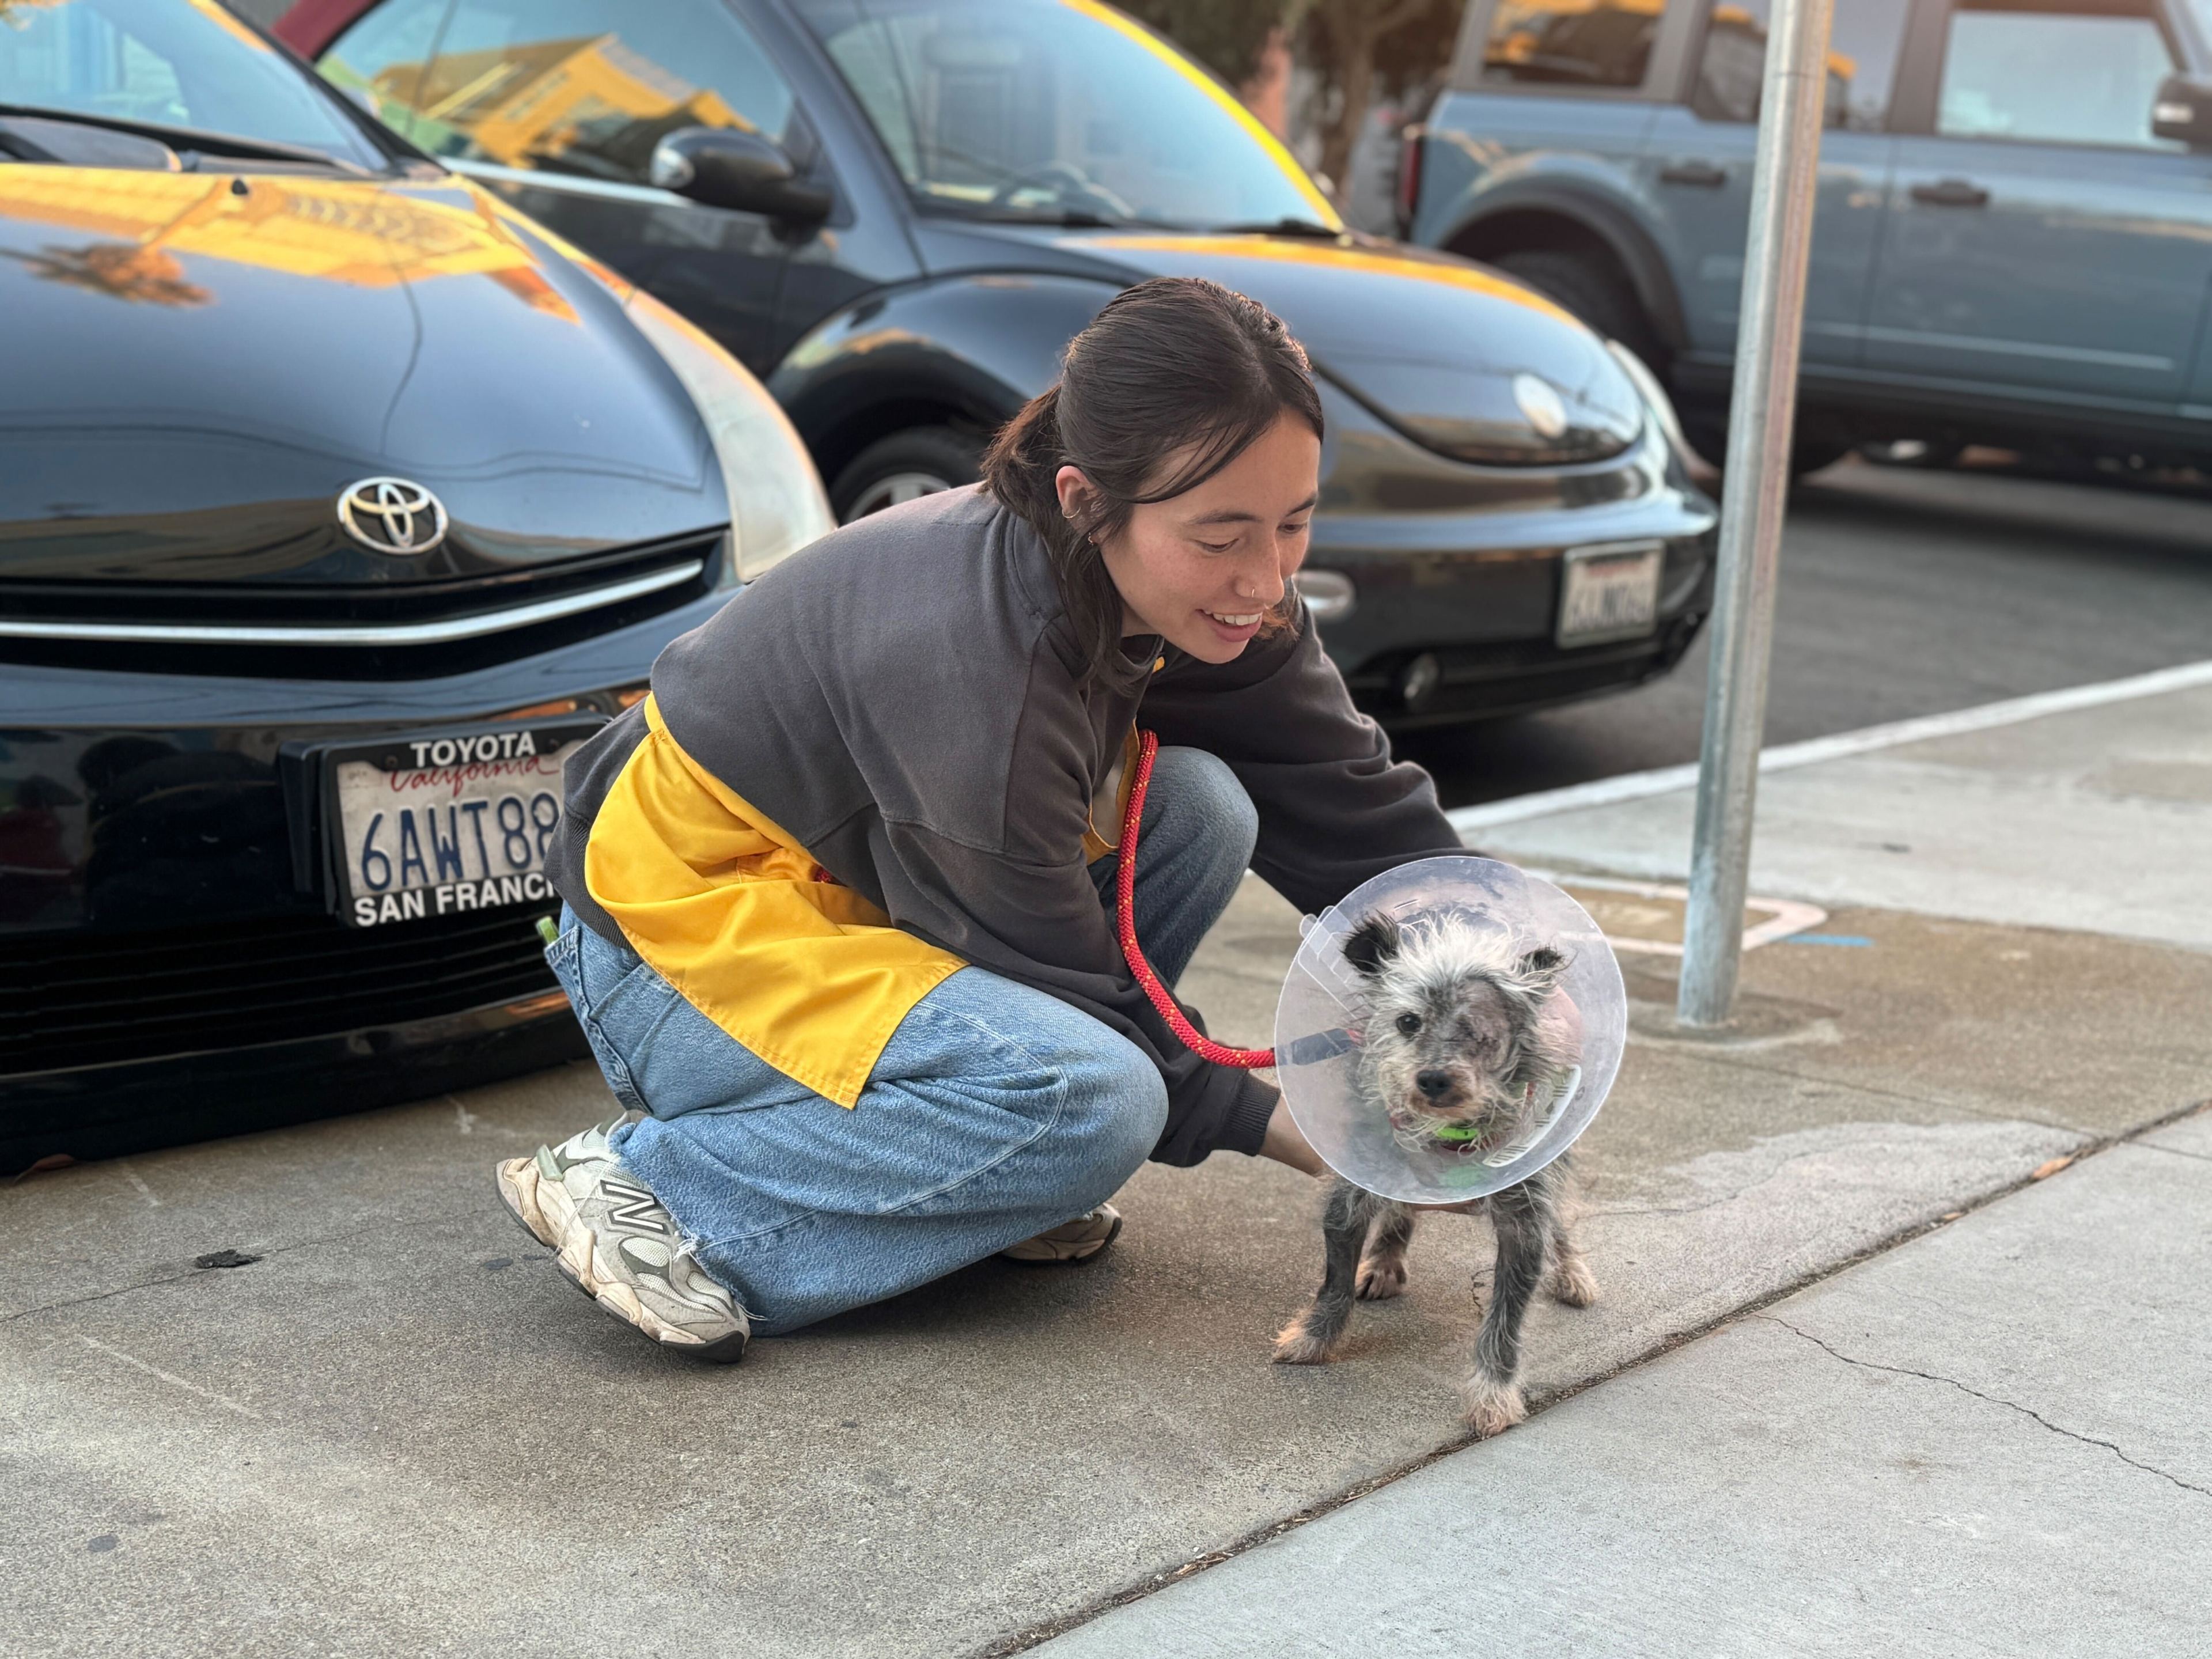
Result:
x=838 y=912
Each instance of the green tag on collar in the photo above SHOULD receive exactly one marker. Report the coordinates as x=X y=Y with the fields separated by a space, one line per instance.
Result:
x=1453 y=1131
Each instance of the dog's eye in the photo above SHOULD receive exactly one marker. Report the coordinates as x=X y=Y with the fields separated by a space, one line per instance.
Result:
x=1409 y=1024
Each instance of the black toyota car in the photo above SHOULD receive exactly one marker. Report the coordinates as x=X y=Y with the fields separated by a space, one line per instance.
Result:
x=897 y=212
x=337 y=501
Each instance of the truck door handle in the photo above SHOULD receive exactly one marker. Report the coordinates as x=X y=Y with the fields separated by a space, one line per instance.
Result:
x=1950 y=192
x=1704 y=174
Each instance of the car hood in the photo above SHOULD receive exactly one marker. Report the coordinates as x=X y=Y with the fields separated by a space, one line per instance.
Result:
x=1443 y=349
x=195 y=368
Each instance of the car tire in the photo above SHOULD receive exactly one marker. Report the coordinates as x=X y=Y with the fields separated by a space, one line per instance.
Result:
x=1593 y=293
x=1808 y=452
x=921 y=461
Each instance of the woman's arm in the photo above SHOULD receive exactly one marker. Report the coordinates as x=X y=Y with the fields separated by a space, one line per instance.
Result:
x=1334 y=808
x=1286 y=1143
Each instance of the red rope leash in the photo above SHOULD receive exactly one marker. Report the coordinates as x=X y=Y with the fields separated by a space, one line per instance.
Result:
x=1125 y=922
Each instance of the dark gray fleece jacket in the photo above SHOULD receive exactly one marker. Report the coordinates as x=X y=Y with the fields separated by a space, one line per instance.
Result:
x=903 y=698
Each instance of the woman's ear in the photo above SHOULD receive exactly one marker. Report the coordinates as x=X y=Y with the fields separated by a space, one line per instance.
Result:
x=1074 y=491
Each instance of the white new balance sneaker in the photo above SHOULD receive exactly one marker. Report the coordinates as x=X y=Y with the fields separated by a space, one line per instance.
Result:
x=518 y=1178
x=616 y=1243
x=1071 y=1241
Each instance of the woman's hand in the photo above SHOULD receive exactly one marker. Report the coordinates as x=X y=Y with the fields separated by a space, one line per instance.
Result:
x=1286 y=1143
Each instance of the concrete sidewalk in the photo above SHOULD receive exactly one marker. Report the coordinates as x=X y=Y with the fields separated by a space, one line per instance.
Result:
x=400 y=1431
x=2098 y=820
x=1992 y=1441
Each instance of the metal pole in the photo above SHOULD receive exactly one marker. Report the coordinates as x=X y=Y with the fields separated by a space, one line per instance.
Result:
x=1784 y=178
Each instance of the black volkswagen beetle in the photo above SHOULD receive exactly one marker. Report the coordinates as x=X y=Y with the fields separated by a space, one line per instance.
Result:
x=336 y=500
x=898 y=211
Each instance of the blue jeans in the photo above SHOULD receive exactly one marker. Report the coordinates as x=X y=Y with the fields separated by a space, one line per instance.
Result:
x=996 y=1112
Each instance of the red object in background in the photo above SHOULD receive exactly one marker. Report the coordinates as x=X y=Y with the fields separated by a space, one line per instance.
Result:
x=312 y=24
x=1409 y=173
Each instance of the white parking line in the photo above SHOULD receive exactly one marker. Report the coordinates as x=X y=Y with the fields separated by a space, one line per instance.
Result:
x=173 y=1381
x=1664 y=779
x=1783 y=916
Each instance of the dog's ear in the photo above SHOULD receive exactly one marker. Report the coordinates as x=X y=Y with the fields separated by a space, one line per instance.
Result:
x=1542 y=968
x=1373 y=943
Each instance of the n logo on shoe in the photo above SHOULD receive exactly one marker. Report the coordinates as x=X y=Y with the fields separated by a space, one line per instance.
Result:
x=632 y=1205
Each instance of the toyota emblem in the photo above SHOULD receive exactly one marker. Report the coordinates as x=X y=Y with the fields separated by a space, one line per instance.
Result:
x=392 y=515
x=1541 y=403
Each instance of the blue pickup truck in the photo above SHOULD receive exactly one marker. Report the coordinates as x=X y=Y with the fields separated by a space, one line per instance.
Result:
x=2013 y=244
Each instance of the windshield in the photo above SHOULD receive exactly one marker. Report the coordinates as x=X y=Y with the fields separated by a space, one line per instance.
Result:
x=185 y=65
x=1057 y=110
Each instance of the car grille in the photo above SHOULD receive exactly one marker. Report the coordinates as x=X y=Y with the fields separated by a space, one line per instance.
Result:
x=75 y=999
x=182 y=605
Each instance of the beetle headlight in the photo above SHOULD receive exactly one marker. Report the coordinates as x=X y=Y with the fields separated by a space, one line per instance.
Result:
x=777 y=505
x=1654 y=395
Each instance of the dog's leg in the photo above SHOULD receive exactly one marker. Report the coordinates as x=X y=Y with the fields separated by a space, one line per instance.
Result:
x=1570 y=1280
x=1383 y=1269
x=1522 y=1215
x=1307 y=1339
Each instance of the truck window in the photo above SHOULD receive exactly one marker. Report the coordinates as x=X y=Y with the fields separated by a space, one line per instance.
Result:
x=2052 y=78
x=1581 y=43
x=1862 y=47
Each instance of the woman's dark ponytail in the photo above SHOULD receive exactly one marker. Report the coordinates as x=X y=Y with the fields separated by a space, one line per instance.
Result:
x=1172 y=382
x=1025 y=459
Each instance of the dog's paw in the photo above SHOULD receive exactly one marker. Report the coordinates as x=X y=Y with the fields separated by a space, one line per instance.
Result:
x=1491 y=1408
x=1572 y=1283
x=1297 y=1346
x=1380 y=1277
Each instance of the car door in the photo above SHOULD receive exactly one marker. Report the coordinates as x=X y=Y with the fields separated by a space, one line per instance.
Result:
x=1697 y=168
x=558 y=104
x=2042 y=242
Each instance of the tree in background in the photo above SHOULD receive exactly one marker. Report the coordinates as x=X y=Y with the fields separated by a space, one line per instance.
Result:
x=1227 y=36
x=1355 y=44
x=1358 y=50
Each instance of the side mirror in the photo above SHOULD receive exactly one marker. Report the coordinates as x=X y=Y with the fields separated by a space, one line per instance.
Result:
x=2183 y=111
x=728 y=167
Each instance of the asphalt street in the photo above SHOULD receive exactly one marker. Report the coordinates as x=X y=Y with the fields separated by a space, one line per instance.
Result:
x=1902 y=593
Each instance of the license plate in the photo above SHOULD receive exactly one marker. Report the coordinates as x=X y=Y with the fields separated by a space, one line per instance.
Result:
x=445 y=823
x=1609 y=592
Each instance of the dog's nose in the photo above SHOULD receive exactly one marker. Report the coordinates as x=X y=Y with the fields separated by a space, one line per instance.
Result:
x=1433 y=1084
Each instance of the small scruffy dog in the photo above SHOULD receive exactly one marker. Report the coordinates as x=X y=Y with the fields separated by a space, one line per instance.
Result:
x=1461 y=1044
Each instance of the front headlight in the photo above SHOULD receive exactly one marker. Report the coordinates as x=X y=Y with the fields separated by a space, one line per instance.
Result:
x=1654 y=394
x=777 y=505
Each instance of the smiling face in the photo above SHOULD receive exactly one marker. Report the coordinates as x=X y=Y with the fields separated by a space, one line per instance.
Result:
x=1203 y=569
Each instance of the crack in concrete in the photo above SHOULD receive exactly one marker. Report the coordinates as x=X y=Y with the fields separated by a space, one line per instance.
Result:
x=1991 y=1399
x=2009 y=1113
x=1761 y=1180
x=2175 y=1152
x=265 y=1250
x=97 y=1296
x=1756 y=1182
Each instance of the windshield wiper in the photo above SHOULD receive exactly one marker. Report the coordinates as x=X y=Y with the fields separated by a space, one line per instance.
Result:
x=1071 y=218
x=187 y=140
x=1282 y=227
x=1067 y=219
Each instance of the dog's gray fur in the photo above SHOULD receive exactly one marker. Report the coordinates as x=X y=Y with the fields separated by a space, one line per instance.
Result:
x=1453 y=1032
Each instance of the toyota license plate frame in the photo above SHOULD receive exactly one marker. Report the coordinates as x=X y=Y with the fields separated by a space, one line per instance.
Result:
x=1609 y=591
x=433 y=801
